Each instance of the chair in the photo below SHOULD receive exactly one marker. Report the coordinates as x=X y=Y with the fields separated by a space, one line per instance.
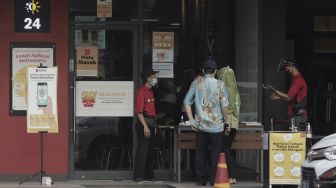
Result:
x=125 y=151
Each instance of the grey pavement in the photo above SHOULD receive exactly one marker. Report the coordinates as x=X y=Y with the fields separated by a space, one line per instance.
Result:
x=119 y=184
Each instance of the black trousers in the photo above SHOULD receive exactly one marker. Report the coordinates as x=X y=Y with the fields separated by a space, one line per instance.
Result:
x=204 y=142
x=229 y=154
x=144 y=156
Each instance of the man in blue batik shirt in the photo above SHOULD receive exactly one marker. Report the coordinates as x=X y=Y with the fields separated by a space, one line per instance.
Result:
x=211 y=116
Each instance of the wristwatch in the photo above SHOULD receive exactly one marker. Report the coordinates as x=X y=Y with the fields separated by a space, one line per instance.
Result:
x=226 y=126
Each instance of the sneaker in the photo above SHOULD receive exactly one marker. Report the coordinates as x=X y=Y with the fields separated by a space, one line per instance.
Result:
x=232 y=181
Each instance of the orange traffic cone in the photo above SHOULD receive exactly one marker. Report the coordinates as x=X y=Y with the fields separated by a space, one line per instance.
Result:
x=222 y=178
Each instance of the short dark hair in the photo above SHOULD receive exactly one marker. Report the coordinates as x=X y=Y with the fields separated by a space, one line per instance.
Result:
x=209 y=65
x=207 y=71
x=147 y=73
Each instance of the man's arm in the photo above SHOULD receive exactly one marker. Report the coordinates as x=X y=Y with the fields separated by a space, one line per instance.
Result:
x=187 y=109
x=281 y=95
x=139 y=106
x=225 y=112
x=187 y=102
x=144 y=124
x=276 y=93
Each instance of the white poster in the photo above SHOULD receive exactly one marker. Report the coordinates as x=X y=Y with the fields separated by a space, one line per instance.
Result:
x=104 y=98
x=42 y=100
x=22 y=58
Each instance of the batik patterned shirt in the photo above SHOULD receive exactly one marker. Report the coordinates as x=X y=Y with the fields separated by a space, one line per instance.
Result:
x=210 y=96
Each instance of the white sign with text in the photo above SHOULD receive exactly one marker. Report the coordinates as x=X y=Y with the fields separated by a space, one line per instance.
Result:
x=105 y=98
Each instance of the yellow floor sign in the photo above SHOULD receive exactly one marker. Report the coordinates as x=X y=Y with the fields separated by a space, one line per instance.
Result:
x=286 y=153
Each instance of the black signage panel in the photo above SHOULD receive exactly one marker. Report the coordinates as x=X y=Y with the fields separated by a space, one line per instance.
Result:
x=32 y=16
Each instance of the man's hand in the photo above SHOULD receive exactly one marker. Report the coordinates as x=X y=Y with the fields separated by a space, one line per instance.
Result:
x=268 y=87
x=227 y=128
x=146 y=132
x=276 y=94
x=194 y=124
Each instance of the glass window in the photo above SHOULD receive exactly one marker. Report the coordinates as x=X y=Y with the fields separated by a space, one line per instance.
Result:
x=106 y=142
x=163 y=16
x=247 y=57
x=115 y=52
x=167 y=104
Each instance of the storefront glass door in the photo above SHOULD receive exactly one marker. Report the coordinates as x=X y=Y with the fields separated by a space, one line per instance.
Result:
x=101 y=143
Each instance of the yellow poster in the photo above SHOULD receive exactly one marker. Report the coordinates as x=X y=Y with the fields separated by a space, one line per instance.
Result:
x=87 y=61
x=163 y=47
x=286 y=154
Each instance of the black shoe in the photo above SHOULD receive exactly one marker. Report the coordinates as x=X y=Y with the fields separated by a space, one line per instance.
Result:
x=150 y=178
x=138 y=179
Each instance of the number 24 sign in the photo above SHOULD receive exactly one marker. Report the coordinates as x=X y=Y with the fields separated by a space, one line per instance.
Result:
x=32 y=16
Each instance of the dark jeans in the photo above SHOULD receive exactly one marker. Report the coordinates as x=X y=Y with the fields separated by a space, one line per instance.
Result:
x=144 y=156
x=229 y=154
x=205 y=141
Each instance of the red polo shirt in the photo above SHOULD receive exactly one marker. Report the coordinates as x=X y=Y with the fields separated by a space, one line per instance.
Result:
x=144 y=101
x=297 y=89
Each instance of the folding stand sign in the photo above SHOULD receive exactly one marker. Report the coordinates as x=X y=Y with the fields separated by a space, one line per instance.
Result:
x=41 y=172
x=41 y=113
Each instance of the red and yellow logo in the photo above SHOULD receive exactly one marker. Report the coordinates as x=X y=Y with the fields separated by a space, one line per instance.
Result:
x=89 y=98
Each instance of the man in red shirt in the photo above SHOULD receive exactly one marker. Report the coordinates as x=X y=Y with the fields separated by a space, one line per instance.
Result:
x=145 y=127
x=296 y=95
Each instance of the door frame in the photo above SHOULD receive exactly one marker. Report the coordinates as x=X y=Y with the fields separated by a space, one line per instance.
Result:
x=137 y=64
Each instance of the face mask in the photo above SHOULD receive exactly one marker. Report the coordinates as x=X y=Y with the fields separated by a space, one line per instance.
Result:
x=154 y=82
